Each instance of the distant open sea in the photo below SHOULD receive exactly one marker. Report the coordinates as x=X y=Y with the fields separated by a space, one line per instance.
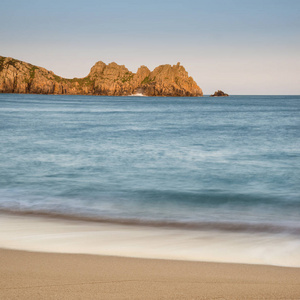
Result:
x=220 y=165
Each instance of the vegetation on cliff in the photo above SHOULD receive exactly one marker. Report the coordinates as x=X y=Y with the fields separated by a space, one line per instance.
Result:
x=112 y=80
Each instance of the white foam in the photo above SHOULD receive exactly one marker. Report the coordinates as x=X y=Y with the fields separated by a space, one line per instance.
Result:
x=55 y=235
x=138 y=95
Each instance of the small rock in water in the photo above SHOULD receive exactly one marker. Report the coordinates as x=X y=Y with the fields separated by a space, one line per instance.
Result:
x=219 y=94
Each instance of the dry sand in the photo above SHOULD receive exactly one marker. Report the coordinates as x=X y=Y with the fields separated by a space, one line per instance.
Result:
x=32 y=275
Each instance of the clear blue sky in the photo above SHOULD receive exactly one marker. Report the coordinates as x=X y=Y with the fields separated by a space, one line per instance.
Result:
x=239 y=46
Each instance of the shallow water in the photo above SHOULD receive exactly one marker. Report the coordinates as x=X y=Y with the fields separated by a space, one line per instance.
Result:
x=65 y=236
x=225 y=165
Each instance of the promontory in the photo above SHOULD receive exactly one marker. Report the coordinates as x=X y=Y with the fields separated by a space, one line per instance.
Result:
x=104 y=79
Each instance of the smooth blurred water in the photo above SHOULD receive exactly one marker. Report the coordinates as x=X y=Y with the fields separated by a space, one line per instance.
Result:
x=229 y=163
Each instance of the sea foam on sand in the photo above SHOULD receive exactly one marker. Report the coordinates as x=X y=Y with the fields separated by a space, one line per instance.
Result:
x=65 y=236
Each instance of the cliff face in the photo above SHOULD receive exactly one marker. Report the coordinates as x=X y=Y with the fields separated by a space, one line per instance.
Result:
x=112 y=80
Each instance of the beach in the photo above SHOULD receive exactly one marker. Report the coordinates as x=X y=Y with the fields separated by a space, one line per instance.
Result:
x=53 y=258
x=150 y=150
x=152 y=198
x=31 y=275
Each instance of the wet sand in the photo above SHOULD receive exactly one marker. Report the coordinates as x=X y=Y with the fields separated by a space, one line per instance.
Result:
x=34 y=275
x=56 y=235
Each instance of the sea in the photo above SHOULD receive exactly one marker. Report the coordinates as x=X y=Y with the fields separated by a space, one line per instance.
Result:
x=204 y=178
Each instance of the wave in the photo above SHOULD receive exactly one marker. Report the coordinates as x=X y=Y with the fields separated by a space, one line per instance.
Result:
x=234 y=227
x=138 y=95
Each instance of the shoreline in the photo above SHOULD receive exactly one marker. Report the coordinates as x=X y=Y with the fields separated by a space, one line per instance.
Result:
x=237 y=227
x=55 y=235
x=35 y=275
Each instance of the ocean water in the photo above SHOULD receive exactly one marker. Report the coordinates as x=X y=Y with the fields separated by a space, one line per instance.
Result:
x=221 y=167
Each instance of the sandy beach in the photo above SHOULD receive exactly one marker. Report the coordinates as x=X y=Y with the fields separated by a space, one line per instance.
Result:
x=51 y=258
x=32 y=275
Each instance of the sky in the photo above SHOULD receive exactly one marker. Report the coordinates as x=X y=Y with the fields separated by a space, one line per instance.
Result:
x=238 y=46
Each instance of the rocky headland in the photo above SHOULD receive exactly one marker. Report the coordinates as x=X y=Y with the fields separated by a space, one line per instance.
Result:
x=219 y=94
x=104 y=79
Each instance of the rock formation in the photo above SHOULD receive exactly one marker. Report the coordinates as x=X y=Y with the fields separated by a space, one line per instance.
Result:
x=219 y=94
x=112 y=80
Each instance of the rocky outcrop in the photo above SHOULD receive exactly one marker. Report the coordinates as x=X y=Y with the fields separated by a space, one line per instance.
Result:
x=112 y=80
x=219 y=94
